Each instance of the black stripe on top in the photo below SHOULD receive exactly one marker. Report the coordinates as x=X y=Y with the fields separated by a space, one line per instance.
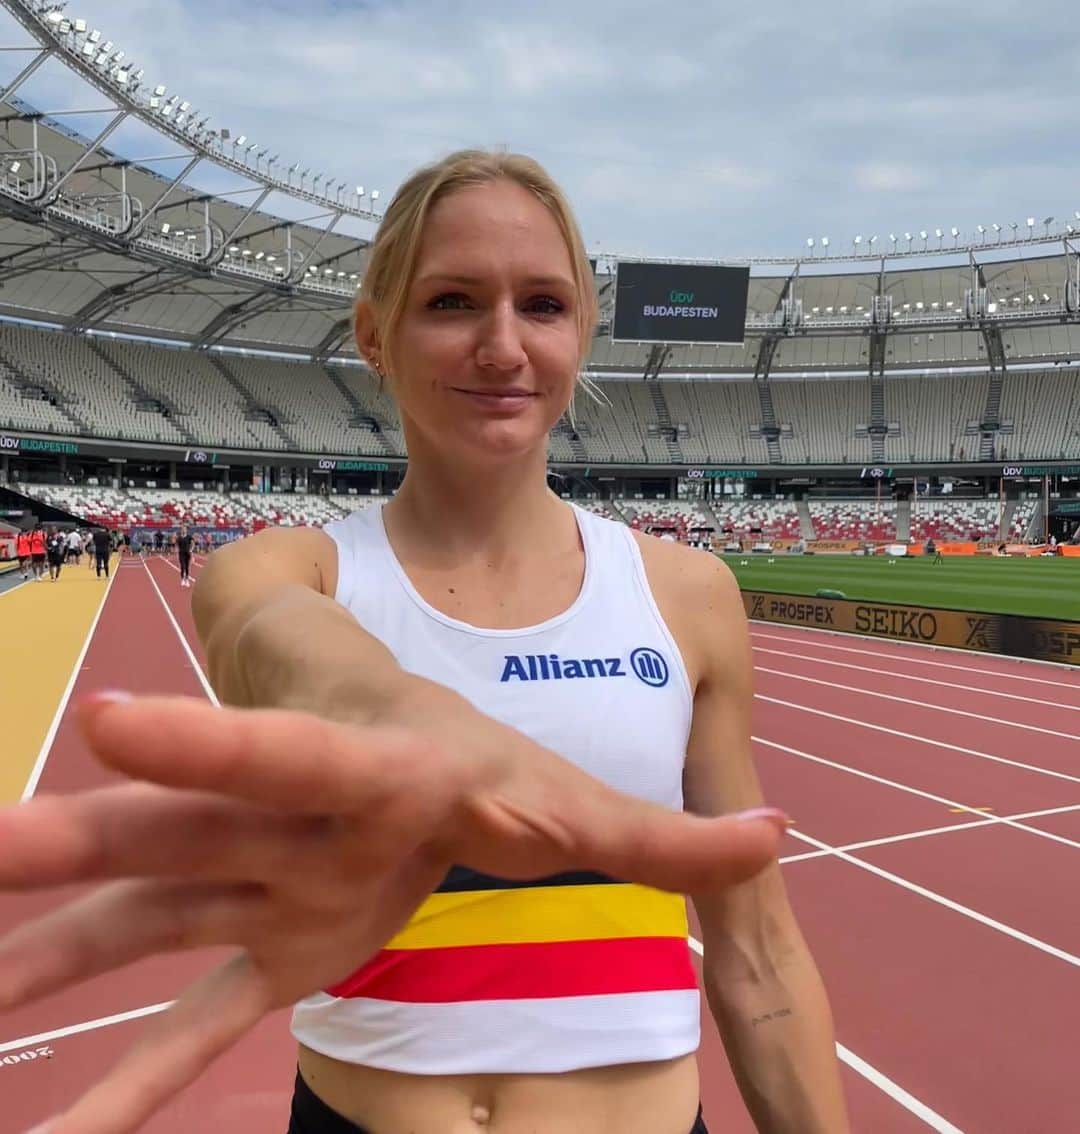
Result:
x=461 y=878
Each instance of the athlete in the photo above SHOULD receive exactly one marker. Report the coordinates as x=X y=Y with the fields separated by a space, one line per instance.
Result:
x=478 y=743
x=56 y=549
x=38 y=551
x=183 y=553
x=102 y=542
x=22 y=550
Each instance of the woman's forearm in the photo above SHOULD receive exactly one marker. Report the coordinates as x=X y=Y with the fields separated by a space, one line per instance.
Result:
x=778 y=1034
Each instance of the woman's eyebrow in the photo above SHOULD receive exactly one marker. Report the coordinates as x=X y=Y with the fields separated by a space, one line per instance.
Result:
x=476 y=281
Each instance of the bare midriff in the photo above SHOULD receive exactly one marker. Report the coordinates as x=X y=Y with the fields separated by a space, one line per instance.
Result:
x=637 y=1098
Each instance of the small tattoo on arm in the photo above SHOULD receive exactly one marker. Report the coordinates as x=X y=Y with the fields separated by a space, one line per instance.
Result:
x=779 y=1014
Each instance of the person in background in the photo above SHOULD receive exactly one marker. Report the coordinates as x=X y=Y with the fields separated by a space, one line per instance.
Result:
x=183 y=553
x=22 y=550
x=37 y=552
x=74 y=546
x=55 y=549
x=102 y=543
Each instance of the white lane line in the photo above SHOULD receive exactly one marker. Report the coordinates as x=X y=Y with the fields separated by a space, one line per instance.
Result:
x=46 y=746
x=884 y=655
x=88 y=1026
x=925 y=680
x=207 y=688
x=940 y=899
x=17 y=587
x=1065 y=666
x=986 y=822
x=920 y=739
x=883 y=1083
x=920 y=704
x=988 y=819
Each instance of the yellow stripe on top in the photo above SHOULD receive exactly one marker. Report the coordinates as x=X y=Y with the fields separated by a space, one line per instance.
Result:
x=543 y=914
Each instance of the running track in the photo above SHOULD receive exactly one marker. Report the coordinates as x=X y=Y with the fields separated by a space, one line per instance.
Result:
x=934 y=868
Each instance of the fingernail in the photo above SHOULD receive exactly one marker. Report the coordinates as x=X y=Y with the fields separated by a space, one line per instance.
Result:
x=772 y=814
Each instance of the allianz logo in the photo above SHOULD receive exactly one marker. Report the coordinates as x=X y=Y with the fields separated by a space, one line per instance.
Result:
x=647 y=665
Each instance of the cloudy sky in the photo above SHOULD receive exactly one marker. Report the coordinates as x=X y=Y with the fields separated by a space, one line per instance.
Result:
x=700 y=130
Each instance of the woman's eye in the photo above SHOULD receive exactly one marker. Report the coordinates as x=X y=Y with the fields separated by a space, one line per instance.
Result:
x=448 y=302
x=545 y=305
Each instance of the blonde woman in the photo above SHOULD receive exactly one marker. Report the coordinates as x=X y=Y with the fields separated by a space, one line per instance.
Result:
x=482 y=741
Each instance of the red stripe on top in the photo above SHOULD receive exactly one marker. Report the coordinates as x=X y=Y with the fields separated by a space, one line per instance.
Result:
x=532 y=971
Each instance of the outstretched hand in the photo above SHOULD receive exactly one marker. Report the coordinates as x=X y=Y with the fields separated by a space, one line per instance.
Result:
x=307 y=844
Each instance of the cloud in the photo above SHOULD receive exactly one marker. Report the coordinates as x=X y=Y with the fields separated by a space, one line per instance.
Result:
x=711 y=129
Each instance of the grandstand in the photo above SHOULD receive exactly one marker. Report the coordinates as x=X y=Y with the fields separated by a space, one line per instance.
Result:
x=142 y=321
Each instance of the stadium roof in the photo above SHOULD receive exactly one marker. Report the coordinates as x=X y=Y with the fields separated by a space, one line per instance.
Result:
x=95 y=241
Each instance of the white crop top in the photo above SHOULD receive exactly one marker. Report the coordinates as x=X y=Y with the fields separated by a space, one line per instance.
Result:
x=559 y=973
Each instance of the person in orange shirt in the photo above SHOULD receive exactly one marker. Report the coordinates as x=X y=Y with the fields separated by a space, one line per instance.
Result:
x=37 y=552
x=22 y=550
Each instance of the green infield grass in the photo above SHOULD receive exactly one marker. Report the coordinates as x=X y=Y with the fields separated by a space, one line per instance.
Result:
x=1042 y=588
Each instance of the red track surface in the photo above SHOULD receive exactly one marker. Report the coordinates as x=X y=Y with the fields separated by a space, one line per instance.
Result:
x=950 y=957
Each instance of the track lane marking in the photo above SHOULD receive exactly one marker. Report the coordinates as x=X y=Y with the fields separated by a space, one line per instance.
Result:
x=920 y=704
x=907 y=788
x=207 y=687
x=885 y=655
x=54 y=727
x=940 y=899
x=1066 y=666
x=919 y=739
x=915 y=677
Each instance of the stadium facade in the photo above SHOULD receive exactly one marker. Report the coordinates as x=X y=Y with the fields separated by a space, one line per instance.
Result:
x=156 y=331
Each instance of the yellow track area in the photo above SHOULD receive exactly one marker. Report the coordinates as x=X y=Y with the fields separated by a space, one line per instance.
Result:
x=44 y=627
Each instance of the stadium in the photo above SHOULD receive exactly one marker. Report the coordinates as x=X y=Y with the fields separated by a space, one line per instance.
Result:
x=884 y=447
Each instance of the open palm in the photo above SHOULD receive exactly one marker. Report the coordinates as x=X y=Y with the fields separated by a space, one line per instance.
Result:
x=307 y=844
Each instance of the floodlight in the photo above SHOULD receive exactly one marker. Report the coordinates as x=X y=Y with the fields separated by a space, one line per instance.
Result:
x=242 y=140
x=225 y=135
x=1046 y=298
x=892 y=237
x=80 y=27
x=94 y=36
x=981 y=229
x=165 y=228
x=374 y=195
x=185 y=106
x=65 y=27
x=1031 y=222
x=858 y=240
x=1048 y=220
x=907 y=237
x=55 y=16
x=154 y=103
x=234 y=248
x=809 y=242
x=88 y=49
x=15 y=166
x=260 y=255
x=159 y=91
x=824 y=242
x=996 y=227
x=872 y=241
x=122 y=78
x=954 y=232
x=359 y=190
x=922 y=234
x=341 y=275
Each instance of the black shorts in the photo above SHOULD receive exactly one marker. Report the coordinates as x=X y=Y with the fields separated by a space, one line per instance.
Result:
x=310 y=1115
x=38 y=558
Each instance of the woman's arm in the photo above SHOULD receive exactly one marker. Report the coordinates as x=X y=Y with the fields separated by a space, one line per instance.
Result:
x=275 y=637
x=761 y=982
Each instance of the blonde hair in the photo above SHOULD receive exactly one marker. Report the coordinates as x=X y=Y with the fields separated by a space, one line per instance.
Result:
x=396 y=248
